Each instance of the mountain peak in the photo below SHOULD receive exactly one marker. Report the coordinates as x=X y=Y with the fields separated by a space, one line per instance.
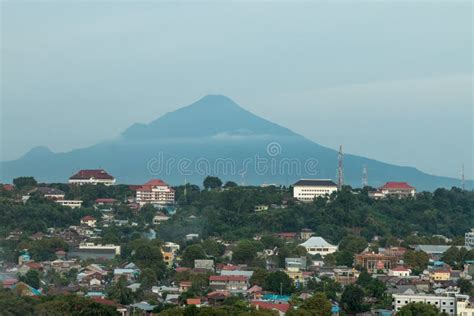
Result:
x=39 y=151
x=207 y=117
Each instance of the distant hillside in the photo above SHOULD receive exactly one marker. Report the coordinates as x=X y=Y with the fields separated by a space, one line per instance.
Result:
x=213 y=136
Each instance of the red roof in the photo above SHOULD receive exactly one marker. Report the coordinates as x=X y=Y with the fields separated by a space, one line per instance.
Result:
x=8 y=187
x=227 y=278
x=9 y=282
x=182 y=269
x=400 y=268
x=34 y=265
x=396 y=185
x=282 y=307
x=286 y=235
x=193 y=301
x=87 y=218
x=230 y=267
x=152 y=183
x=93 y=173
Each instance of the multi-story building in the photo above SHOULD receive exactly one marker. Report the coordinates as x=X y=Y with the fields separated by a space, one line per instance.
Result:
x=92 y=176
x=70 y=203
x=307 y=190
x=446 y=303
x=318 y=245
x=395 y=189
x=231 y=283
x=469 y=239
x=92 y=246
x=155 y=192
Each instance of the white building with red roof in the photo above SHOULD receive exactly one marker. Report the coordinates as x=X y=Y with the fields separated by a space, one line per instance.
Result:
x=92 y=176
x=89 y=221
x=155 y=192
x=396 y=189
x=399 y=271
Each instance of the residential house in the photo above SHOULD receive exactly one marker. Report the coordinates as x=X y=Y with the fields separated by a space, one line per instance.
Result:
x=70 y=203
x=232 y=283
x=89 y=221
x=204 y=264
x=399 y=271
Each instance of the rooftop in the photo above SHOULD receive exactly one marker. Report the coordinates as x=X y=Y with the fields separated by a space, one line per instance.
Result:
x=315 y=183
x=396 y=185
x=91 y=173
x=316 y=242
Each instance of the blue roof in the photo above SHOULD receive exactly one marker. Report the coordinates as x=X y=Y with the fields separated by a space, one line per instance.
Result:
x=95 y=294
x=275 y=297
x=335 y=309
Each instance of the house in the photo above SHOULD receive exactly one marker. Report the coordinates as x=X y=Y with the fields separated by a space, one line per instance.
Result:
x=260 y=208
x=288 y=236
x=105 y=201
x=443 y=274
x=231 y=283
x=70 y=203
x=129 y=274
x=92 y=176
x=399 y=271
x=190 y=237
x=47 y=193
x=193 y=301
x=345 y=275
x=395 y=189
x=89 y=221
x=434 y=251
x=204 y=264
x=155 y=192
x=307 y=190
x=306 y=234
x=184 y=286
x=160 y=217
x=318 y=246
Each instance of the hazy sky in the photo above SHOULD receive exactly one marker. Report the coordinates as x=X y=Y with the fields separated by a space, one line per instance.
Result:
x=389 y=80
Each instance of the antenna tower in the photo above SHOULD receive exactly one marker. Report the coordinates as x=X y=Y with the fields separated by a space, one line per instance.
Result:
x=340 y=169
x=462 y=178
x=365 y=176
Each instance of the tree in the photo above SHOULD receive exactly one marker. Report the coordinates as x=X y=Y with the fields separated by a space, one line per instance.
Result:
x=245 y=252
x=316 y=305
x=465 y=286
x=192 y=253
x=32 y=278
x=24 y=182
x=352 y=299
x=147 y=278
x=213 y=248
x=418 y=260
x=258 y=277
x=278 y=282
x=120 y=292
x=230 y=184
x=212 y=183
x=353 y=244
x=325 y=285
x=414 y=309
x=147 y=254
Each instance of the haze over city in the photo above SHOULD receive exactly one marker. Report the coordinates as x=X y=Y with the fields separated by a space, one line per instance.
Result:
x=389 y=81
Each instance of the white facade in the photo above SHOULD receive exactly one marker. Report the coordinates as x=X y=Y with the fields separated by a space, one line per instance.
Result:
x=70 y=203
x=399 y=272
x=463 y=308
x=155 y=192
x=469 y=239
x=445 y=303
x=90 y=245
x=318 y=246
x=93 y=181
x=307 y=190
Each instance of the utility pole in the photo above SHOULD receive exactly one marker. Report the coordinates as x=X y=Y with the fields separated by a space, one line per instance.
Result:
x=462 y=178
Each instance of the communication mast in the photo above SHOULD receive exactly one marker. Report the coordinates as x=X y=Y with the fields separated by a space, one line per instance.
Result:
x=462 y=178
x=340 y=170
x=365 y=177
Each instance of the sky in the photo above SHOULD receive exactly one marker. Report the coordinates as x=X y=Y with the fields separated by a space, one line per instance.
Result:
x=387 y=80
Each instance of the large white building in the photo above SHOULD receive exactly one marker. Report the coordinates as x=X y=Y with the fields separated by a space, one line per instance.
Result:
x=155 y=192
x=469 y=239
x=445 y=303
x=318 y=246
x=93 y=246
x=93 y=176
x=394 y=189
x=307 y=190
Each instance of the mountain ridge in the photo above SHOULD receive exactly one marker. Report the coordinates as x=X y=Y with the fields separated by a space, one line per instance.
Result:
x=213 y=130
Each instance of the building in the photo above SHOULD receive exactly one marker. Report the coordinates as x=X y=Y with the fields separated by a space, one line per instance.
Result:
x=469 y=239
x=70 y=203
x=318 y=246
x=375 y=262
x=463 y=306
x=434 y=251
x=48 y=193
x=395 y=189
x=169 y=251
x=89 y=221
x=231 y=283
x=345 y=275
x=307 y=190
x=205 y=264
x=93 y=176
x=92 y=246
x=445 y=303
x=155 y=192
x=399 y=271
